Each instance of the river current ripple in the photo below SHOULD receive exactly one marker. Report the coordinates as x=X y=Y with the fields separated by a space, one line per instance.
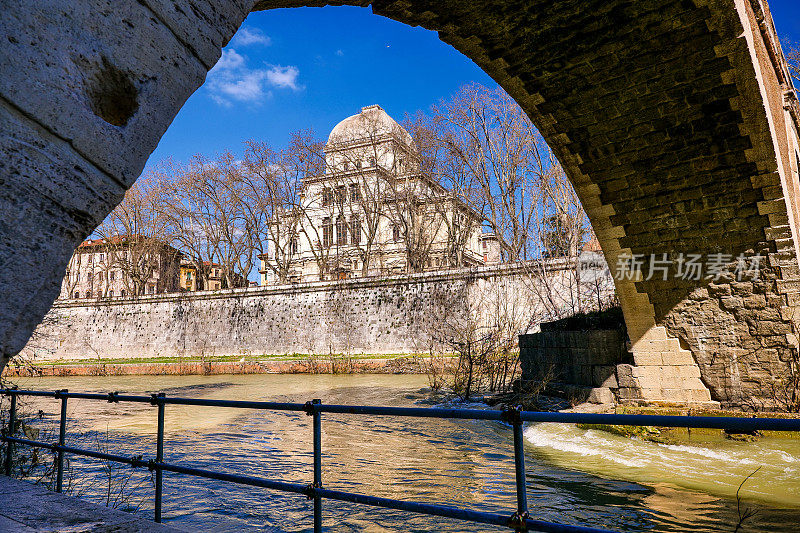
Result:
x=574 y=476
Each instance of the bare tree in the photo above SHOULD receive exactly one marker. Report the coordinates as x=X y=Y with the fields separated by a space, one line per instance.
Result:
x=460 y=204
x=494 y=158
x=202 y=204
x=483 y=148
x=271 y=203
x=316 y=209
x=236 y=219
x=134 y=241
x=793 y=57
x=480 y=323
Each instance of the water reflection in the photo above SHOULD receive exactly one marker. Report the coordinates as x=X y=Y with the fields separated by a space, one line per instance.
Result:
x=465 y=463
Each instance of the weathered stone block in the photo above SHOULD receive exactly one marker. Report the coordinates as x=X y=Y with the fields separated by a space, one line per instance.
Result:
x=645 y=358
x=688 y=371
x=625 y=377
x=97 y=94
x=677 y=358
x=604 y=376
x=629 y=393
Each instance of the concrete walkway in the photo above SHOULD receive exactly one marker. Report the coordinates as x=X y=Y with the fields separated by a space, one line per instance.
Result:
x=28 y=508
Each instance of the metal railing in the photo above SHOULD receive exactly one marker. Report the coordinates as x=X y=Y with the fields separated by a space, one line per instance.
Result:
x=519 y=520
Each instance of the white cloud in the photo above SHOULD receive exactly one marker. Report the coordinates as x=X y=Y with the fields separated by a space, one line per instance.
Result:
x=285 y=77
x=230 y=60
x=231 y=80
x=339 y=53
x=250 y=36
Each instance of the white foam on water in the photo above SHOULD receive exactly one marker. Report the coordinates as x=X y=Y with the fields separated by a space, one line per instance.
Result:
x=710 y=454
x=586 y=445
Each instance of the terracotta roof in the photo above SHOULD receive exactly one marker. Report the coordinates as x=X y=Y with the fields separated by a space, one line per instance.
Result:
x=118 y=239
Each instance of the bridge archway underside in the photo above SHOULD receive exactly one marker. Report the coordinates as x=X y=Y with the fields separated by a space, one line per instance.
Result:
x=673 y=119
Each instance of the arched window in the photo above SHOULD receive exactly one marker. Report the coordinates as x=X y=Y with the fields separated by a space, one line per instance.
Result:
x=88 y=294
x=341 y=194
x=355 y=192
x=341 y=230
x=327 y=232
x=77 y=295
x=355 y=229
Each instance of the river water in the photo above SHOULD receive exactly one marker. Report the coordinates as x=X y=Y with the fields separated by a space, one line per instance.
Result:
x=576 y=476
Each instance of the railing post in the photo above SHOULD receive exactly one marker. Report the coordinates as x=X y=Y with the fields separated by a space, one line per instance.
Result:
x=12 y=422
x=317 y=422
x=62 y=436
x=159 y=401
x=512 y=416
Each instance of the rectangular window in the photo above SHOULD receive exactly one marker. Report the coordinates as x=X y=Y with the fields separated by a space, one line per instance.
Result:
x=355 y=192
x=341 y=194
x=341 y=230
x=355 y=229
x=327 y=232
x=111 y=275
x=396 y=232
x=327 y=196
x=102 y=257
x=294 y=246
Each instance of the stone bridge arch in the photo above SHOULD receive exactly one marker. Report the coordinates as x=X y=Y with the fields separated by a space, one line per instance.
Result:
x=675 y=120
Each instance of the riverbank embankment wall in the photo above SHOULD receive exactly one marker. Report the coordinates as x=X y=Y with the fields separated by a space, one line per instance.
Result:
x=392 y=315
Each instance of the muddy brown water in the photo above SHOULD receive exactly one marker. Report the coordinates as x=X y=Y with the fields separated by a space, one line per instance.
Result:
x=576 y=476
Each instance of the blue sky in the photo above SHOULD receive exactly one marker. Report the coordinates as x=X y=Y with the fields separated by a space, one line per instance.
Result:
x=291 y=69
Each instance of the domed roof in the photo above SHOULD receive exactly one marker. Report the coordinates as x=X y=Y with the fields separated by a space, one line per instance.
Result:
x=372 y=122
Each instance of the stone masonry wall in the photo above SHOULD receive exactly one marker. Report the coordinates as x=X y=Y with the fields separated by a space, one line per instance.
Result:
x=600 y=359
x=376 y=316
x=586 y=358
